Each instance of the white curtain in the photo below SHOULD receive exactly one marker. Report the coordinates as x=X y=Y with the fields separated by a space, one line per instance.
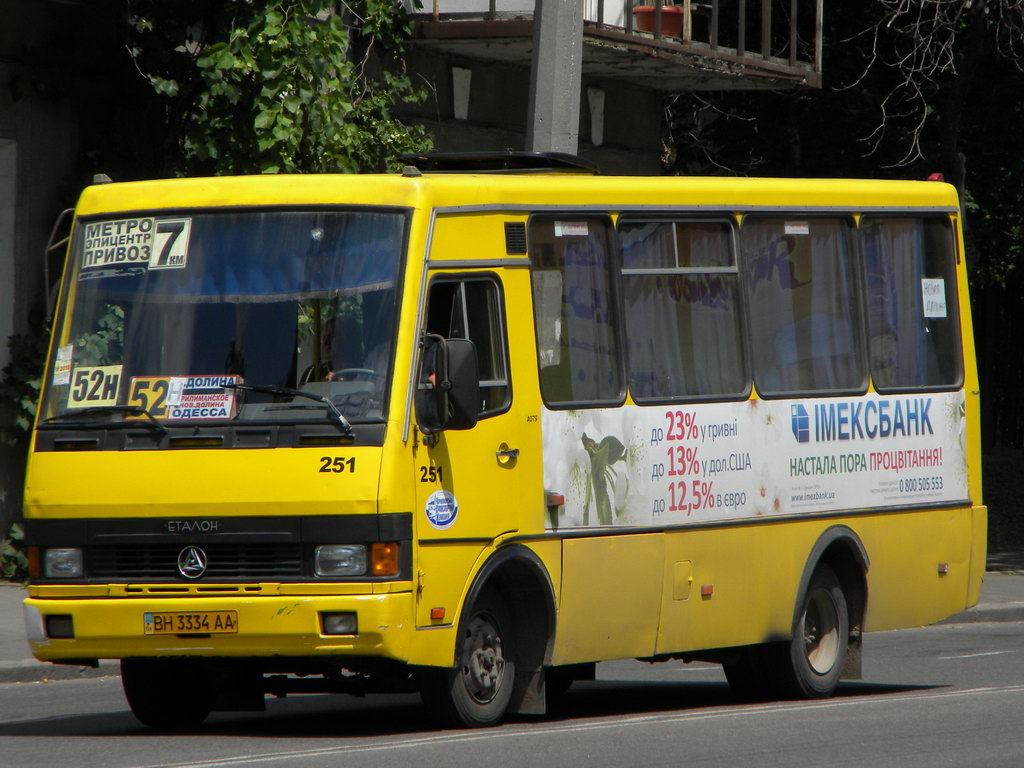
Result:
x=804 y=317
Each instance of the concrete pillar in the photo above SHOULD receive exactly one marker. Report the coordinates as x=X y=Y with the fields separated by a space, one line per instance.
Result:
x=462 y=79
x=553 y=120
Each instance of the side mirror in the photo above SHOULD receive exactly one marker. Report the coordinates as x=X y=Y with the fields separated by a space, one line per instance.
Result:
x=448 y=392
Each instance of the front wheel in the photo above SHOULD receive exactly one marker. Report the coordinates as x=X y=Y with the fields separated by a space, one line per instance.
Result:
x=810 y=664
x=476 y=692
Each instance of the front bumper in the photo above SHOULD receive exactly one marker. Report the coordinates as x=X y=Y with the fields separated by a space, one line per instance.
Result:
x=268 y=626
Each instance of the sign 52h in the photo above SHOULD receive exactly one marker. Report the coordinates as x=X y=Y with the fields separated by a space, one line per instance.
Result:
x=95 y=385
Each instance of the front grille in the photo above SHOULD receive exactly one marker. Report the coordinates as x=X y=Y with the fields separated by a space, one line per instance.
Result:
x=224 y=561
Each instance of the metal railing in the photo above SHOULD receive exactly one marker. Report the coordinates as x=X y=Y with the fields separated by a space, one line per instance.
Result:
x=789 y=31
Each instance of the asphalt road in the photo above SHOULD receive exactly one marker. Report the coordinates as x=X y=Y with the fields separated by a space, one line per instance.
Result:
x=946 y=695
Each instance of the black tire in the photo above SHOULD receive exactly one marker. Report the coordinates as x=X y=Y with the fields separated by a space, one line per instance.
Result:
x=169 y=695
x=476 y=692
x=810 y=664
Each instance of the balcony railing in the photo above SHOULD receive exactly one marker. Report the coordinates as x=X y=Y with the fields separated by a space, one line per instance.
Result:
x=773 y=34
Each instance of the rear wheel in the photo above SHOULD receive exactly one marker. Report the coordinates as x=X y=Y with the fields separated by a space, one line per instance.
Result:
x=170 y=695
x=810 y=664
x=476 y=692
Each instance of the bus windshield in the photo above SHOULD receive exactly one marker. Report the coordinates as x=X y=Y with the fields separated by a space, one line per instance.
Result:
x=161 y=312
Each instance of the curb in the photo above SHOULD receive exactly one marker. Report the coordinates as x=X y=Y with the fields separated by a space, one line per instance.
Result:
x=988 y=612
x=32 y=671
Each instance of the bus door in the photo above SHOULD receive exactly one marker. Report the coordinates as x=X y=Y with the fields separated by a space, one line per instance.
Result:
x=468 y=481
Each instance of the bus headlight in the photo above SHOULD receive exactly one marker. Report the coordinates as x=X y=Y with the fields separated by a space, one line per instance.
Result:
x=65 y=563
x=340 y=560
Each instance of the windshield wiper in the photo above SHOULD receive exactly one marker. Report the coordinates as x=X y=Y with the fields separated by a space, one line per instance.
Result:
x=95 y=410
x=287 y=391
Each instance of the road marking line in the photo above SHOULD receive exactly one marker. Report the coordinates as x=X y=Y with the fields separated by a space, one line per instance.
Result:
x=973 y=655
x=508 y=732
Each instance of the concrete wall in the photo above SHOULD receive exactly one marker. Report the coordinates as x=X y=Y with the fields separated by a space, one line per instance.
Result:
x=8 y=201
x=628 y=131
x=10 y=458
x=39 y=107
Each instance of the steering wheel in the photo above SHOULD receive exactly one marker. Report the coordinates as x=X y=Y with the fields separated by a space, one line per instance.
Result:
x=356 y=374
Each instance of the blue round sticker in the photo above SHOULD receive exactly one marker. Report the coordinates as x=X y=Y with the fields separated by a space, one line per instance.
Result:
x=442 y=509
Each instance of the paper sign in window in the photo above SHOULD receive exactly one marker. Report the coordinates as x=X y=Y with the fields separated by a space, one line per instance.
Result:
x=571 y=229
x=62 y=365
x=94 y=386
x=933 y=294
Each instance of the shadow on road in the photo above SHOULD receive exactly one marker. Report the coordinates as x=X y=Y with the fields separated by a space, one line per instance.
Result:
x=327 y=717
x=604 y=699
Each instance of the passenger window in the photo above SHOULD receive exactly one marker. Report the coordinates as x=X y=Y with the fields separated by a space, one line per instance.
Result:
x=471 y=308
x=805 y=324
x=683 y=322
x=913 y=327
x=574 y=308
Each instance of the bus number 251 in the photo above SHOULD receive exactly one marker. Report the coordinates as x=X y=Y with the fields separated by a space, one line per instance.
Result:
x=338 y=464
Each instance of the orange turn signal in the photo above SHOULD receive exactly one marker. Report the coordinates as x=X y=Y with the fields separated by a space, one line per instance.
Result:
x=34 y=571
x=384 y=558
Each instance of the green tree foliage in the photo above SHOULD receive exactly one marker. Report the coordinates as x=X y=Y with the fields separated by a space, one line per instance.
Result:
x=20 y=382
x=281 y=86
x=797 y=132
x=13 y=560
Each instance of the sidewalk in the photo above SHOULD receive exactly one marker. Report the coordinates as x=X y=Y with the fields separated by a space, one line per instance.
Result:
x=1002 y=594
x=1002 y=599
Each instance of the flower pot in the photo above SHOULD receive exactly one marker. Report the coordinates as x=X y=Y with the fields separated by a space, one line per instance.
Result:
x=672 y=19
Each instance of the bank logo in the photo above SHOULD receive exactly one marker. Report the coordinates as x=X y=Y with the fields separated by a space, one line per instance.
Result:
x=192 y=562
x=800 y=422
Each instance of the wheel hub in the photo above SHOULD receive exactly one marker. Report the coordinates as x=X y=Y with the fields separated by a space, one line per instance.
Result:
x=821 y=632
x=483 y=661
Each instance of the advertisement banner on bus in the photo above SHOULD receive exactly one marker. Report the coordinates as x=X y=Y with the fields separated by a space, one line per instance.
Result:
x=659 y=465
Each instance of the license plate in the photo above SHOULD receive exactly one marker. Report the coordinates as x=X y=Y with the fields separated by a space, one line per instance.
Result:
x=199 y=622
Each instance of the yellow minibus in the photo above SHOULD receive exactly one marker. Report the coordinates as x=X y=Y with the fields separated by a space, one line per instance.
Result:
x=471 y=428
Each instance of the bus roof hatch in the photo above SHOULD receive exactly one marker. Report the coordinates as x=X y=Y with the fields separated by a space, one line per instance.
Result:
x=499 y=162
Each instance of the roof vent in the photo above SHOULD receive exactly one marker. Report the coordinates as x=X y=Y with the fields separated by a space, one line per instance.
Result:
x=500 y=162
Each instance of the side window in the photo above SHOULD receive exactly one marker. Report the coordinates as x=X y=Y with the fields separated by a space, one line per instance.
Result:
x=913 y=326
x=574 y=307
x=471 y=308
x=683 y=321
x=804 y=306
